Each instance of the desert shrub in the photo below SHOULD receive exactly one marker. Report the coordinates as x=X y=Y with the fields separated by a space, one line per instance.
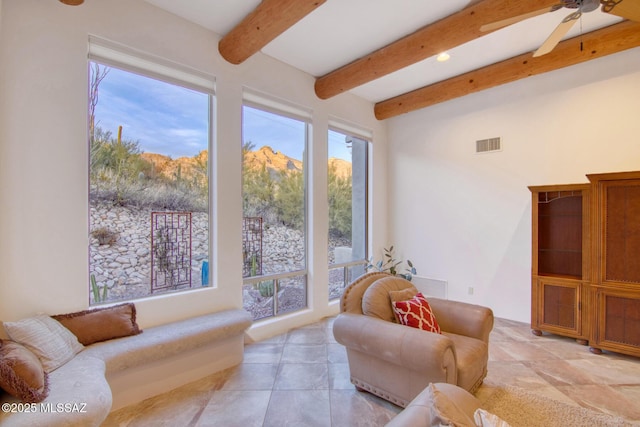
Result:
x=258 y=194
x=119 y=175
x=289 y=201
x=105 y=235
x=340 y=190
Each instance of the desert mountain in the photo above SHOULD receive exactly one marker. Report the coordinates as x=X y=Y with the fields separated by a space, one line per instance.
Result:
x=275 y=161
x=187 y=168
x=342 y=167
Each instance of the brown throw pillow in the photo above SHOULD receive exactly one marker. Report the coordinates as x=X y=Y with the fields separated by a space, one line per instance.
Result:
x=101 y=324
x=21 y=373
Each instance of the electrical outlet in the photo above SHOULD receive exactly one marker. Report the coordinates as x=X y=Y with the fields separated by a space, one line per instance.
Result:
x=470 y=291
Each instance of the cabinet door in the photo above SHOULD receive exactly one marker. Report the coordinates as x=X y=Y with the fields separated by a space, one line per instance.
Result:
x=618 y=317
x=621 y=231
x=559 y=306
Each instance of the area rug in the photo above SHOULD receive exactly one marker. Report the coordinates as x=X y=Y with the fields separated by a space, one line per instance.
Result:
x=521 y=408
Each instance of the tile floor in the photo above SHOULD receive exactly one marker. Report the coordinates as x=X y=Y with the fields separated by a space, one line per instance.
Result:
x=301 y=378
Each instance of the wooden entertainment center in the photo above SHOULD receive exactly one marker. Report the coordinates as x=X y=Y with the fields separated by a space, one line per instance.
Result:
x=585 y=267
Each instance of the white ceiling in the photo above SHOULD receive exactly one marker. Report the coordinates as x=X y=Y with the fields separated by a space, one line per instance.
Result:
x=340 y=31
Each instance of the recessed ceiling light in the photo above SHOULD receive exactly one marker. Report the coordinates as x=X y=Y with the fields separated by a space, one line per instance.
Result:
x=444 y=56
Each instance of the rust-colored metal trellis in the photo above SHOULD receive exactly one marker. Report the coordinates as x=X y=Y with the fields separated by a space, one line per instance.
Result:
x=251 y=246
x=170 y=250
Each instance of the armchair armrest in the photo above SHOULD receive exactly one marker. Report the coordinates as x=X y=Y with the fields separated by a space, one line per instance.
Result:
x=461 y=318
x=415 y=349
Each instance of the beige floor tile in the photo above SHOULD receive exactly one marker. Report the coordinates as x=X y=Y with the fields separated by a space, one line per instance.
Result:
x=560 y=372
x=304 y=353
x=608 y=370
x=521 y=350
x=309 y=408
x=308 y=336
x=301 y=378
x=251 y=376
x=336 y=353
x=350 y=408
x=339 y=378
x=515 y=374
x=263 y=353
x=235 y=409
x=604 y=399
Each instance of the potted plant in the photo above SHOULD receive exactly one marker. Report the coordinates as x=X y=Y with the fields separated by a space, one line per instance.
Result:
x=389 y=264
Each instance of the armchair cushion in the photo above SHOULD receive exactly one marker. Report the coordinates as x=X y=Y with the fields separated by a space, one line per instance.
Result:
x=376 y=301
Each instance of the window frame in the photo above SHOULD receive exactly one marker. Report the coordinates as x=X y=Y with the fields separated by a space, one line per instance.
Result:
x=127 y=59
x=354 y=131
x=268 y=104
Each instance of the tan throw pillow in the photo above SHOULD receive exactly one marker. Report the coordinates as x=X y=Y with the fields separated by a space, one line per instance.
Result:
x=46 y=338
x=375 y=300
x=403 y=295
x=101 y=324
x=21 y=373
x=445 y=411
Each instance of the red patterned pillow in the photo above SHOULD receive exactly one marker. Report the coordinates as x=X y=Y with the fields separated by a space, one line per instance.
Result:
x=416 y=313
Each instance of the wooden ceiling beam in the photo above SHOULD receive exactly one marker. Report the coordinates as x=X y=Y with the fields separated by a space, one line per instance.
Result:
x=266 y=22
x=449 y=32
x=608 y=40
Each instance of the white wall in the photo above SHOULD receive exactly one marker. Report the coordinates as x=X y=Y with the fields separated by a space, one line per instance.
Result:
x=43 y=154
x=466 y=217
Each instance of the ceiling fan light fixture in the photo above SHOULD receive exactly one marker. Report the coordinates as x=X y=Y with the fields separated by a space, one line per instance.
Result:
x=72 y=2
x=443 y=57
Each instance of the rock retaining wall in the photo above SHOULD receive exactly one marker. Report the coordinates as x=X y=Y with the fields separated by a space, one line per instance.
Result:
x=125 y=265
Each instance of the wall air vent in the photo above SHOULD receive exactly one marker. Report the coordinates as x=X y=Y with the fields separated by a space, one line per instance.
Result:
x=488 y=145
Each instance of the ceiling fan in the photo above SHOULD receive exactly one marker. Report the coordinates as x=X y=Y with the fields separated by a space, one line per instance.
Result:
x=628 y=9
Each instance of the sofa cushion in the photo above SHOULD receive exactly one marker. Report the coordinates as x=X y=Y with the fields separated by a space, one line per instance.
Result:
x=21 y=373
x=471 y=360
x=79 y=396
x=46 y=338
x=101 y=324
x=416 y=313
x=376 y=301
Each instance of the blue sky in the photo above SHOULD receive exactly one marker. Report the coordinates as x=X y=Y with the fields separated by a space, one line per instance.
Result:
x=172 y=120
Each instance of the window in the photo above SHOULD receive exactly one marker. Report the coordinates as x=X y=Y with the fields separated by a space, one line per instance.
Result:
x=148 y=179
x=347 y=194
x=274 y=201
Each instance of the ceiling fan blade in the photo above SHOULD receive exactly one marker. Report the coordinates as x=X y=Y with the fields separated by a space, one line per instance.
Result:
x=554 y=38
x=514 y=19
x=628 y=9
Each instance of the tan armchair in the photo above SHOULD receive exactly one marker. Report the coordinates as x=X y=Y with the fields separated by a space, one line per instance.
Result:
x=397 y=362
